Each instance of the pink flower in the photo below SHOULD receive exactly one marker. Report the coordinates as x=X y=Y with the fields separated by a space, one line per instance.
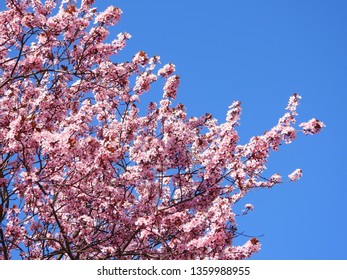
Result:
x=140 y=58
x=249 y=207
x=167 y=70
x=293 y=103
x=234 y=112
x=110 y=16
x=87 y=3
x=170 y=87
x=144 y=81
x=83 y=163
x=276 y=178
x=296 y=175
x=313 y=126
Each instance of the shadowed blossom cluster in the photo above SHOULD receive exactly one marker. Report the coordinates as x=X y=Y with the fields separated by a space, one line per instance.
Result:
x=88 y=173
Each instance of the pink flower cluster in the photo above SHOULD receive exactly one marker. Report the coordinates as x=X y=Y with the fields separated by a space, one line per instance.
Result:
x=249 y=206
x=86 y=173
x=171 y=86
x=167 y=70
x=144 y=81
x=140 y=58
x=110 y=16
x=295 y=175
x=313 y=126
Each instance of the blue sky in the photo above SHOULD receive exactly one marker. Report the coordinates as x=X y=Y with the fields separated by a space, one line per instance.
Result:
x=261 y=52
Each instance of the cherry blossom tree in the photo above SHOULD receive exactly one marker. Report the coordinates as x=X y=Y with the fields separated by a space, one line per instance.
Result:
x=85 y=173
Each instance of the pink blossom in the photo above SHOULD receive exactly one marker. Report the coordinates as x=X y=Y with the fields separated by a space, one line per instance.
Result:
x=87 y=3
x=234 y=112
x=288 y=134
x=313 y=126
x=276 y=178
x=167 y=70
x=120 y=42
x=295 y=175
x=91 y=175
x=110 y=16
x=171 y=86
x=249 y=206
x=144 y=81
x=140 y=58
x=293 y=103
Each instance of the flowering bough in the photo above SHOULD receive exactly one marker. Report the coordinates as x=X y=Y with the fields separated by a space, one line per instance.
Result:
x=84 y=175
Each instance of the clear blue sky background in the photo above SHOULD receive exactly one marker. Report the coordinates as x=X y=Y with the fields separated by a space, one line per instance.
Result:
x=260 y=52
